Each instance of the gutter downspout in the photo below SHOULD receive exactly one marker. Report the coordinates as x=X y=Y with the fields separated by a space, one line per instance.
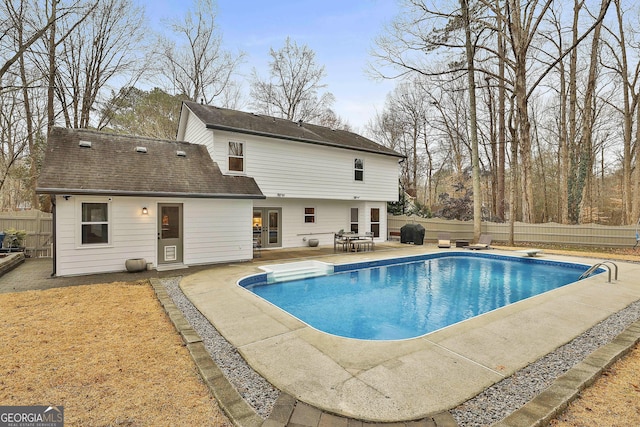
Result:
x=53 y=235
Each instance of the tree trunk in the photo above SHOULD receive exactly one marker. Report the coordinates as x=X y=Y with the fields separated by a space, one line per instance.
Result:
x=502 y=128
x=475 y=164
x=636 y=192
x=586 y=142
x=513 y=208
x=33 y=167
x=628 y=208
x=520 y=45
x=51 y=117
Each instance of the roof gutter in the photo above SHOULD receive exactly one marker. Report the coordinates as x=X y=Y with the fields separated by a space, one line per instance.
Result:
x=89 y=192
x=297 y=139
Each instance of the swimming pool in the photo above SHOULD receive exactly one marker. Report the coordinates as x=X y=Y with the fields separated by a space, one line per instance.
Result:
x=408 y=297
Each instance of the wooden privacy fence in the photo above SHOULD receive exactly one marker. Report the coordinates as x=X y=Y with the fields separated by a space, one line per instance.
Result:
x=39 y=228
x=573 y=235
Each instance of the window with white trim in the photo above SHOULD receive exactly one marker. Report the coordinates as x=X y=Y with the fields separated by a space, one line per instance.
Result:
x=353 y=220
x=309 y=215
x=358 y=170
x=95 y=223
x=236 y=156
x=375 y=222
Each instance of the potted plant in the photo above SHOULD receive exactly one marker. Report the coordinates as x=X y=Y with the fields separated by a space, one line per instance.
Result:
x=14 y=238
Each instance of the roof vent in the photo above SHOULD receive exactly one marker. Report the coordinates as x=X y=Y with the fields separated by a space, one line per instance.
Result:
x=85 y=144
x=141 y=150
x=181 y=153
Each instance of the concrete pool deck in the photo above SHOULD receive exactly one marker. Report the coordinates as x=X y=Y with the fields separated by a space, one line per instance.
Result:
x=409 y=379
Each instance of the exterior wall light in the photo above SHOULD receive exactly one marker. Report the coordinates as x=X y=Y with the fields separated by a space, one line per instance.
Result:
x=145 y=211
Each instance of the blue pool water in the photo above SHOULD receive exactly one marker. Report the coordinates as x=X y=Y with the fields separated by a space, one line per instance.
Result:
x=410 y=297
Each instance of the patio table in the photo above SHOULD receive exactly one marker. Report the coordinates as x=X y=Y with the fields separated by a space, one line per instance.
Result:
x=354 y=241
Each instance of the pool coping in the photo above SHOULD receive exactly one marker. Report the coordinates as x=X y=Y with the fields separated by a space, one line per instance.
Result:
x=215 y=294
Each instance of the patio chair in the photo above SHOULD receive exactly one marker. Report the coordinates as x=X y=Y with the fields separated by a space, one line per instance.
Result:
x=257 y=247
x=365 y=243
x=444 y=240
x=484 y=242
x=339 y=240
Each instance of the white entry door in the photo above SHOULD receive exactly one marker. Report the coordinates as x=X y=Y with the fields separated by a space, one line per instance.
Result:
x=170 y=242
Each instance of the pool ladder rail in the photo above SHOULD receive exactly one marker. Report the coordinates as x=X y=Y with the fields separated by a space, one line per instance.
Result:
x=594 y=267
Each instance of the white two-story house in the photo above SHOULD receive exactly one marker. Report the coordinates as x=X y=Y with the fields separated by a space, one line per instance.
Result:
x=317 y=181
x=231 y=179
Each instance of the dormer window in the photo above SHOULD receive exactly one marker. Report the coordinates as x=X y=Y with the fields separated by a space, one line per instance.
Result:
x=358 y=170
x=236 y=156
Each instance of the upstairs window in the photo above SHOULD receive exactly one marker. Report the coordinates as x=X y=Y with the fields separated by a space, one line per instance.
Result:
x=95 y=223
x=236 y=156
x=309 y=215
x=358 y=170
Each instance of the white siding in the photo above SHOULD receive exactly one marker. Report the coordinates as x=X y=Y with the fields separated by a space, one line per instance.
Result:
x=295 y=175
x=217 y=231
x=303 y=170
x=214 y=231
x=331 y=217
x=196 y=132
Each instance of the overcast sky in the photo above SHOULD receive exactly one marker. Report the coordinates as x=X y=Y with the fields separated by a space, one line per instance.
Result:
x=340 y=32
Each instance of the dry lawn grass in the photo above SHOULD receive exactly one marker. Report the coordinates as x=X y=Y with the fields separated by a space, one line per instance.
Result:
x=107 y=353
x=613 y=400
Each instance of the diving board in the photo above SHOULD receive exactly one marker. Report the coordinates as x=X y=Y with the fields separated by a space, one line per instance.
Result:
x=530 y=252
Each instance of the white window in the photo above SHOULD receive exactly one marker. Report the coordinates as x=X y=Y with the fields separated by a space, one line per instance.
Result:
x=236 y=156
x=95 y=223
x=354 y=220
x=375 y=222
x=309 y=215
x=358 y=170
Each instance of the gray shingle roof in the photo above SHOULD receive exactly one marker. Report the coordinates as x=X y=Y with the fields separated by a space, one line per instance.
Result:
x=113 y=166
x=257 y=124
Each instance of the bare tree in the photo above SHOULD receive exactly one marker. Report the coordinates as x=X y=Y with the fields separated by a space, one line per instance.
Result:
x=413 y=33
x=628 y=74
x=105 y=46
x=198 y=67
x=24 y=16
x=330 y=119
x=501 y=113
x=409 y=99
x=522 y=25
x=14 y=18
x=25 y=26
x=13 y=136
x=473 y=123
x=508 y=41
x=586 y=156
x=292 y=90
